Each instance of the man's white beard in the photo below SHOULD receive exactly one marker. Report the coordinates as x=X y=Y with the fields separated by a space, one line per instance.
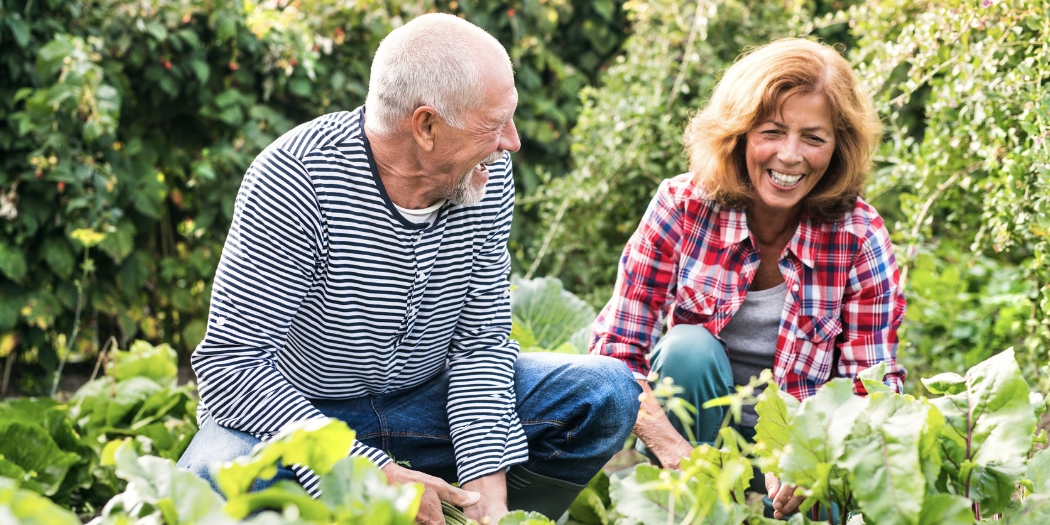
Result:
x=466 y=192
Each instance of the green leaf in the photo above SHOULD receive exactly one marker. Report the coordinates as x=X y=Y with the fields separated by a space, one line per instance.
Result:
x=174 y=495
x=30 y=447
x=639 y=497
x=12 y=262
x=776 y=409
x=872 y=377
x=1035 y=511
x=19 y=30
x=589 y=509
x=988 y=431
x=1039 y=471
x=889 y=482
x=281 y=495
x=314 y=443
x=159 y=363
x=118 y=244
x=105 y=403
x=945 y=509
x=817 y=435
x=520 y=517
x=59 y=256
x=200 y=69
x=948 y=383
x=542 y=308
x=356 y=488
x=27 y=508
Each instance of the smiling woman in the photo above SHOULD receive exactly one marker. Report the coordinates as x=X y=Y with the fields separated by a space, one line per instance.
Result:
x=764 y=256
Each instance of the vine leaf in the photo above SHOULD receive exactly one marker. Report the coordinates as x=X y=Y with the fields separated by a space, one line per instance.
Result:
x=988 y=430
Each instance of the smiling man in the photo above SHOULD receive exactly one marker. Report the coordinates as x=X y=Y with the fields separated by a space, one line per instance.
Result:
x=364 y=278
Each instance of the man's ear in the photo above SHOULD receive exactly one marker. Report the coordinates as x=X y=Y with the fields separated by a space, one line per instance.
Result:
x=424 y=127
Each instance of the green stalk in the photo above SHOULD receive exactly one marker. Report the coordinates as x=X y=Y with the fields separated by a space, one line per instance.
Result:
x=76 y=323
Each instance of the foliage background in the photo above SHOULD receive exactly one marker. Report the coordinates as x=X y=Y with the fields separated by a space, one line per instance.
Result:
x=134 y=122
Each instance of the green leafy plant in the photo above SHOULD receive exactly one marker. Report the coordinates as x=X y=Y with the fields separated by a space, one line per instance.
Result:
x=882 y=459
x=547 y=317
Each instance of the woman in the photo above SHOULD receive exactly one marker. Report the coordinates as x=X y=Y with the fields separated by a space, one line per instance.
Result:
x=764 y=255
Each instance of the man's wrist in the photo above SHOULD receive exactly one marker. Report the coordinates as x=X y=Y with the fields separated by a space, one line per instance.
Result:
x=492 y=487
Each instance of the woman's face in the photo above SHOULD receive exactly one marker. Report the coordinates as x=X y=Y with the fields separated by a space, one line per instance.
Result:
x=787 y=154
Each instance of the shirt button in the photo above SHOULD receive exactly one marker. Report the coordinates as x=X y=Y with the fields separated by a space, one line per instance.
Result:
x=794 y=288
x=221 y=321
x=420 y=275
x=506 y=294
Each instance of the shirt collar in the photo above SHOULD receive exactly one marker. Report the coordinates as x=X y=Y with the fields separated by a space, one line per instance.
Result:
x=733 y=222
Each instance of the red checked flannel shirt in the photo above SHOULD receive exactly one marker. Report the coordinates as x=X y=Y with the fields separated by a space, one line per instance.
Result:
x=697 y=259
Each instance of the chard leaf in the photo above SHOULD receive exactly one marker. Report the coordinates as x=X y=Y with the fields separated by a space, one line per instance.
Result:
x=159 y=363
x=988 y=431
x=1034 y=511
x=315 y=443
x=26 y=508
x=281 y=495
x=817 y=437
x=158 y=491
x=871 y=378
x=643 y=496
x=948 y=383
x=31 y=448
x=1039 y=472
x=946 y=509
x=593 y=506
x=520 y=517
x=776 y=410
x=357 y=492
x=889 y=480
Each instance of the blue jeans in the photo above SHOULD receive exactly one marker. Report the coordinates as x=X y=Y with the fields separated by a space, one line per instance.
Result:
x=576 y=410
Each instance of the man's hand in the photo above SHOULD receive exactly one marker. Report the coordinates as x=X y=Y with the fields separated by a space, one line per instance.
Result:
x=655 y=430
x=784 y=500
x=435 y=490
x=493 y=504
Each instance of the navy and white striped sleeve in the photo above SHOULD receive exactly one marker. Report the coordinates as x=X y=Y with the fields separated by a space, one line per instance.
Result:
x=486 y=433
x=266 y=269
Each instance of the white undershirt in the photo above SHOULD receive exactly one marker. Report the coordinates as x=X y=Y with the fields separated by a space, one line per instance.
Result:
x=421 y=215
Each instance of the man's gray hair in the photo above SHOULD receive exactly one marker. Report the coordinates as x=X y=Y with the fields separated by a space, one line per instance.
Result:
x=434 y=60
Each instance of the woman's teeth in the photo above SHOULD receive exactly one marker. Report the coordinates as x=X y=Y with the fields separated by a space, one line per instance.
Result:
x=784 y=180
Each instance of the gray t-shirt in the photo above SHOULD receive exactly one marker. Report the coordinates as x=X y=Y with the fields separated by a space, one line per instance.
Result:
x=751 y=336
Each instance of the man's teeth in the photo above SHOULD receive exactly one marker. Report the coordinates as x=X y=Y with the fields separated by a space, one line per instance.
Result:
x=784 y=180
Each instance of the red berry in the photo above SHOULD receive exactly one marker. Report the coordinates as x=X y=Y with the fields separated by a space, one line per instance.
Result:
x=61 y=186
x=511 y=12
x=233 y=66
x=167 y=64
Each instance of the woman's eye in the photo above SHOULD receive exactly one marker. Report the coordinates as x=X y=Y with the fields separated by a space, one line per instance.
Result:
x=815 y=139
x=771 y=133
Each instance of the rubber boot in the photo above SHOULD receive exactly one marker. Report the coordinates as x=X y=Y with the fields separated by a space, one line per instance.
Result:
x=530 y=491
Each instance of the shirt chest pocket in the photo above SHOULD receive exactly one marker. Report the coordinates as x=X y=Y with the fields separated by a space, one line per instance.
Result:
x=815 y=337
x=695 y=305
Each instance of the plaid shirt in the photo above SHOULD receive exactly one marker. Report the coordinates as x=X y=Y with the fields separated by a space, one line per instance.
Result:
x=696 y=259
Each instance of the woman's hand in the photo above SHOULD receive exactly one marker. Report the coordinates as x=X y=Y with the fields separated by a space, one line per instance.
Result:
x=435 y=490
x=655 y=430
x=784 y=500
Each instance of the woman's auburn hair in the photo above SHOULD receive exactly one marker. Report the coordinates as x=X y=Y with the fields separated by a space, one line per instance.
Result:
x=753 y=90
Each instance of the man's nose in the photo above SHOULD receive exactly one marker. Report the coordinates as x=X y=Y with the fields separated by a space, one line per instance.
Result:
x=509 y=138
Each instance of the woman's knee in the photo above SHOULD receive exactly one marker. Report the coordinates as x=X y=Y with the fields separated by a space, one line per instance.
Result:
x=689 y=353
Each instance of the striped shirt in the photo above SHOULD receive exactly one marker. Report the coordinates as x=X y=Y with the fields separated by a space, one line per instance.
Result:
x=325 y=291
x=695 y=260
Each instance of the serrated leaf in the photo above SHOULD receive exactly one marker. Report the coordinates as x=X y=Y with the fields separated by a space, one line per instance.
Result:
x=118 y=244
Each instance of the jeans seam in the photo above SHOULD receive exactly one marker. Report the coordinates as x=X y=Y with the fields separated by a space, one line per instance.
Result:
x=544 y=421
x=382 y=422
x=418 y=434
x=537 y=461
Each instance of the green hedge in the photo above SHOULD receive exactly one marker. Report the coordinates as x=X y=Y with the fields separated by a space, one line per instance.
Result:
x=133 y=123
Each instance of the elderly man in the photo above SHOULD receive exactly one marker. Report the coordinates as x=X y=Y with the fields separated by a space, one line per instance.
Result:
x=365 y=278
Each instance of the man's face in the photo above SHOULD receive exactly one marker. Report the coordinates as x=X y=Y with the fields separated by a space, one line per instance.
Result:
x=488 y=132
